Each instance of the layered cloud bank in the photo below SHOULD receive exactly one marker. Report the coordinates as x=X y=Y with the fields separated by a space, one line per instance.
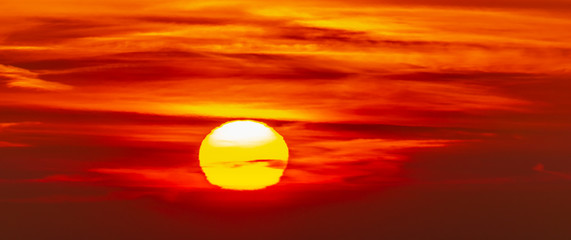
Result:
x=355 y=88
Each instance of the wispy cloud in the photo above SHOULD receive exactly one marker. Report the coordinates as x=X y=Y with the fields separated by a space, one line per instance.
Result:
x=352 y=161
x=541 y=168
x=9 y=144
x=177 y=178
x=22 y=78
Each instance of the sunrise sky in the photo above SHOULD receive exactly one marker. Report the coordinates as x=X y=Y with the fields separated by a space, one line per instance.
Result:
x=409 y=119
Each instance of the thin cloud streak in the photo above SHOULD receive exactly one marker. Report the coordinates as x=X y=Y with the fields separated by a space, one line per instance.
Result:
x=22 y=78
x=9 y=144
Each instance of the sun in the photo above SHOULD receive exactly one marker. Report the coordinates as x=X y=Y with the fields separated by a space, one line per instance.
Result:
x=243 y=155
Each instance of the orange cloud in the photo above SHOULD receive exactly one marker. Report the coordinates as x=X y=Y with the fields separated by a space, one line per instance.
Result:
x=9 y=144
x=259 y=62
x=177 y=178
x=541 y=168
x=21 y=78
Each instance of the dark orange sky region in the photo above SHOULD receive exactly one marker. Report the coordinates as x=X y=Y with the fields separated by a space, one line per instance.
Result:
x=412 y=119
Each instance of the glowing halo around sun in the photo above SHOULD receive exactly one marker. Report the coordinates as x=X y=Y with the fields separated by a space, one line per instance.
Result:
x=243 y=155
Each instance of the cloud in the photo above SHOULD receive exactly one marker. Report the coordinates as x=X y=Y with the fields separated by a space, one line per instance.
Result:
x=9 y=144
x=352 y=161
x=8 y=128
x=295 y=67
x=173 y=178
x=22 y=78
x=548 y=5
x=4 y=125
x=541 y=168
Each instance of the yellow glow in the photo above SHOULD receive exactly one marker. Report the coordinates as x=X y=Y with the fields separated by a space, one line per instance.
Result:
x=243 y=155
x=234 y=111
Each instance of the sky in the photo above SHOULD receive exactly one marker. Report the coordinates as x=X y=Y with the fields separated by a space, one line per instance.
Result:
x=412 y=119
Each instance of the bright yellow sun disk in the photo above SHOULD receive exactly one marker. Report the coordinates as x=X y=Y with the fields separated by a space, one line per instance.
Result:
x=243 y=155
